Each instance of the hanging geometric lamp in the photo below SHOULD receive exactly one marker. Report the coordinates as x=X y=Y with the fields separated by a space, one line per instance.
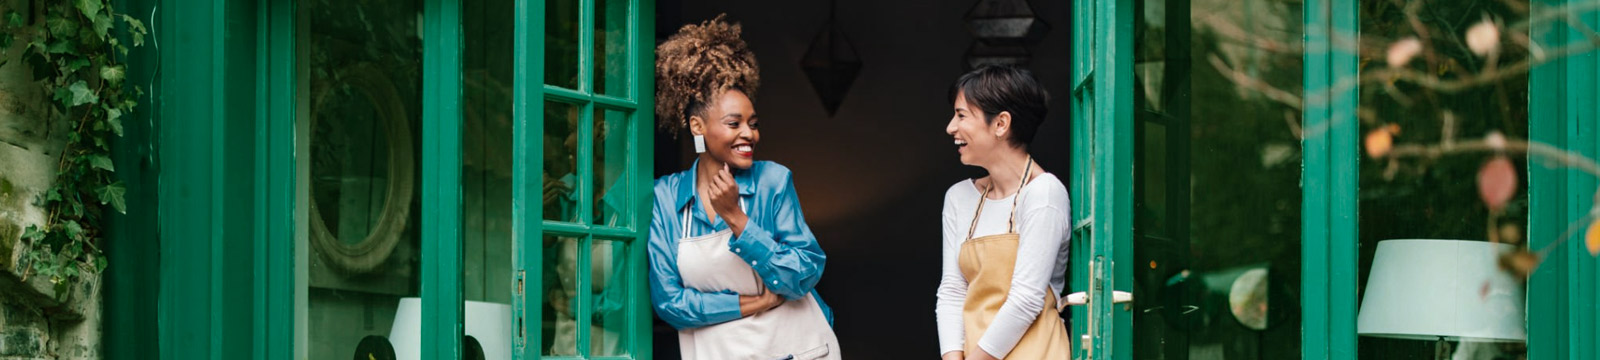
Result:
x=831 y=64
x=1004 y=29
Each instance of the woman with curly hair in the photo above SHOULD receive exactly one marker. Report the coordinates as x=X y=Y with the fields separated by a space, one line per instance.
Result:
x=733 y=264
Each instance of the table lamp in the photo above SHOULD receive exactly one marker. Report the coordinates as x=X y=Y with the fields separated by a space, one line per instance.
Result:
x=1441 y=290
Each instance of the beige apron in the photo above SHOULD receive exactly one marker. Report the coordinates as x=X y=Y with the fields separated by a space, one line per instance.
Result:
x=795 y=330
x=987 y=262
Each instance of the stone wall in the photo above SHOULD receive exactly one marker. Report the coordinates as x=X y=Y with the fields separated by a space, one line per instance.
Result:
x=33 y=323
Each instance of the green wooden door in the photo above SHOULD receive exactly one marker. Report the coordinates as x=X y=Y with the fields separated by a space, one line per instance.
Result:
x=584 y=101
x=1102 y=168
x=1206 y=226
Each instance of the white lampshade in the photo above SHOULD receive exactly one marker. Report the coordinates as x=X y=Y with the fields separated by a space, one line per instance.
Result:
x=489 y=323
x=1432 y=289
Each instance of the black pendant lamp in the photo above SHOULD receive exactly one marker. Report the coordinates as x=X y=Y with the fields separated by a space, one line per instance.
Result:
x=831 y=63
x=1003 y=30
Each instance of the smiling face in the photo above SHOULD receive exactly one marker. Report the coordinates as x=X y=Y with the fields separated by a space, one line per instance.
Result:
x=730 y=127
x=975 y=138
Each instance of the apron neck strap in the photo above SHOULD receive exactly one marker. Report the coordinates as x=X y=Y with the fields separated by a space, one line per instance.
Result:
x=686 y=218
x=1011 y=224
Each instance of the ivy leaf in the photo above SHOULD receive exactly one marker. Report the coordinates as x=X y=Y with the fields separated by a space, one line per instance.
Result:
x=61 y=46
x=101 y=162
x=133 y=23
x=81 y=94
x=113 y=194
x=33 y=234
x=76 y=64
x=100 y=264
x=15 y=18
x=73 y=228
x=113 y=74
x=136 y=28
x=89 y=7
x=102 y=23
x=114 y=118
x=53 y=195
x=60 y=26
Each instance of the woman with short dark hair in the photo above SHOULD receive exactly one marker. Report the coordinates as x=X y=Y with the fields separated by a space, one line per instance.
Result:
x=1005 y=234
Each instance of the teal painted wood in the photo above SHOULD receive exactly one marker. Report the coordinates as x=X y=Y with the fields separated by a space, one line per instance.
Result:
x=585 y=153
x=130 y=292
x=527 y=176
x=236 y=183
x=188 y=140
x=1113 y=191
x=1328 y=242
x=1344 y=176
x=274 y=307
x=1562 y=317
x=1082 y=100
x=441 y=180
x=641 y=15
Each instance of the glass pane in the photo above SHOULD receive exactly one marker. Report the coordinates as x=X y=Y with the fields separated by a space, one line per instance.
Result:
x=561 y=43
x=560 y=319
x=611 y=205
x=486 y=160
x=608 y=276
x=1405 y=195
x=1217 y=234
x=611 y=47
x=560 y=161
x=360 y=75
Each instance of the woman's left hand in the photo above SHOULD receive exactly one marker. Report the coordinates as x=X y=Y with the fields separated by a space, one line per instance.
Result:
x=725 y=200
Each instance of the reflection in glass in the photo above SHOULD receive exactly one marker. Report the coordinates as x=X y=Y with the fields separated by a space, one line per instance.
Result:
x=360 y=77
x=560 y=324
x=611 y=140
x=1217 y=168
x=561 y=43
x=609 y=285
x=560 y=161
x=611 y=47
x=1437 y=198
x=486 y=158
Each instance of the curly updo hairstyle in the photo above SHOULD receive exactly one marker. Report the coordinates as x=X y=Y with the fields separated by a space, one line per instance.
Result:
x=697 y=64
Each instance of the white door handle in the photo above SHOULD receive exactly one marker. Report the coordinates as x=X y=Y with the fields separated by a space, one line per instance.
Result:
x=1081 y=298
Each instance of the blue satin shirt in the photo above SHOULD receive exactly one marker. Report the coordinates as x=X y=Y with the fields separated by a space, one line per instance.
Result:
x=775 y=239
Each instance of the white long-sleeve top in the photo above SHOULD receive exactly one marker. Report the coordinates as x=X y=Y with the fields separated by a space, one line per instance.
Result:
x=1044 y=225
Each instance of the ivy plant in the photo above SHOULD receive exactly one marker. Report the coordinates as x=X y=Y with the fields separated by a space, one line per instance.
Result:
x=75 y=49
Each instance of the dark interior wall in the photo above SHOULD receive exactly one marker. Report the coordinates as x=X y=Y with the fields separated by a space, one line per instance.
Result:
x=872 y=178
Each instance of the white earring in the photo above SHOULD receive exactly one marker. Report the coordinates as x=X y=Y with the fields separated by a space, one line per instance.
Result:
x=699 y=144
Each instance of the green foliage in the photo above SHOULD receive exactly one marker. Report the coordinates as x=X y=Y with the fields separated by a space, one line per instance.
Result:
x=73 y=49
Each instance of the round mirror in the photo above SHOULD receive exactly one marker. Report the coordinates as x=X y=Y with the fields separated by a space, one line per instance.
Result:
x=362 y=173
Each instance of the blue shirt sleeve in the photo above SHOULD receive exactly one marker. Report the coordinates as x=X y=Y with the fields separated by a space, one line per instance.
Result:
x=786 y=254
x=681 y=307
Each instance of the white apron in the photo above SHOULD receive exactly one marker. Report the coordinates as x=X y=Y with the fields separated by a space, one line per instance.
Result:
x=795 y=330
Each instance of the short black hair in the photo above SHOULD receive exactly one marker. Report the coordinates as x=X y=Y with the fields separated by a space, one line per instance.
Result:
x=1006 y=88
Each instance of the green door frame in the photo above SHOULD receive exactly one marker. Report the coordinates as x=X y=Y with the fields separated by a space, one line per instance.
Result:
x=1330 y=172
x=1562 y=291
